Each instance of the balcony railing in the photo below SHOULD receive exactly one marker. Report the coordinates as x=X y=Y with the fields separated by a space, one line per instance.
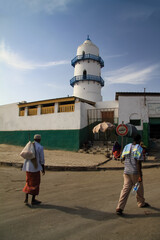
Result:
x=21 y=113
x=66 y=108
x=47 y=110
x=87 y=77
x=87 y=57
x=32 y=111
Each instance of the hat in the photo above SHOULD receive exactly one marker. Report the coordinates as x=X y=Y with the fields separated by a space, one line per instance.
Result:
x=37 y=137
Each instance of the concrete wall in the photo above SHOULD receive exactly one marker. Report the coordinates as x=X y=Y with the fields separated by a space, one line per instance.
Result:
x=88 y=90
x=107 y=104
x=84 y=116
x=11 y=121
x=92 y=67
x=153 y=107
x=132 y=108
x=138 y=107
x=67 y=131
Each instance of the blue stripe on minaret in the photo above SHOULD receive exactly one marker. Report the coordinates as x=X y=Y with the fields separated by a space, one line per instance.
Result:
x=86 y=57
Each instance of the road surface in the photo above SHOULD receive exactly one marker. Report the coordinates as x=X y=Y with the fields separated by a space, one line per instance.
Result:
x=77 y=206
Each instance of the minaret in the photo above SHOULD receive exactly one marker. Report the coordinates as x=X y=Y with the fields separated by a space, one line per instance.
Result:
x=87 y=81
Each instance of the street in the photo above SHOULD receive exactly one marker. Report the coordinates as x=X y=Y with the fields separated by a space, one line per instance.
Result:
x=77 y=205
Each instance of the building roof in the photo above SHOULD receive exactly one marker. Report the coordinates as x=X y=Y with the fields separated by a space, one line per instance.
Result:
x=136 y=94
x=55 y=100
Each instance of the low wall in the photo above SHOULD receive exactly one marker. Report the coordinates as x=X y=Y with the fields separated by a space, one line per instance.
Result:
x=51 y=139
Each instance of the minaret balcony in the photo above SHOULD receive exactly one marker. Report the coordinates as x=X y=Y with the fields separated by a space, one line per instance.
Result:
x=87 y=77
x=87 y=57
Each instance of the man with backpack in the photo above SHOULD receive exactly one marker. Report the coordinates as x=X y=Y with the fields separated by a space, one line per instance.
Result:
x=132 y=156
x=32 y=167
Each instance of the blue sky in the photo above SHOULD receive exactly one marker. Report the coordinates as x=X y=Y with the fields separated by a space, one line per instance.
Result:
x=39 y=38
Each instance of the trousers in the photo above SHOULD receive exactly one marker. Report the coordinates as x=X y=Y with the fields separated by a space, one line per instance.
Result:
x=129 y=181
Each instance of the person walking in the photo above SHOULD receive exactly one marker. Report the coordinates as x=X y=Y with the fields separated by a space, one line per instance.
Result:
x=116 y=151
x=133 y=156
x=32 y=169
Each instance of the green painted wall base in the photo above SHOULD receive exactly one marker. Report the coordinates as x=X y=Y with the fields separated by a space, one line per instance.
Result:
x=154 y=121
x=146 y=134
x=51 y=139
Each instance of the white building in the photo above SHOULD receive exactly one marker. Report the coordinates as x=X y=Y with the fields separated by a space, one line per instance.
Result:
x=66 y=123
x=141 y=109
x=62 y=122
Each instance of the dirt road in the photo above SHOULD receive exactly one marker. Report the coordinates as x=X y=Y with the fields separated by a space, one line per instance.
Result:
x=76 y=206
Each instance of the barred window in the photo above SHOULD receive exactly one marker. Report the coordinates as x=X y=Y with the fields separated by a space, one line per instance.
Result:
x=135 y=122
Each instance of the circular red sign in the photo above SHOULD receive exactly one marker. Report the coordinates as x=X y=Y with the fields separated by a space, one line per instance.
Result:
x=122 y=130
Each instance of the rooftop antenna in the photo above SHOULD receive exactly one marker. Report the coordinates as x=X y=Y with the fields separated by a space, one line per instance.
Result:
x=144 y=97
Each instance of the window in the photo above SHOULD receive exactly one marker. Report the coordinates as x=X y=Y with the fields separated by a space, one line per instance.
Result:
x=66 y=107
x=32 y=111
x=84 y=74
x=135 y=122
x=47 y=108
x=21 y=112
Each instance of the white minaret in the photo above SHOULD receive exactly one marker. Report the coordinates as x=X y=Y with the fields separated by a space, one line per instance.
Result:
x=87 y=81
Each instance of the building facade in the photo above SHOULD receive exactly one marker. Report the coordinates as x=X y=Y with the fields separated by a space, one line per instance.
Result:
x=61 y=122
x=142 y=109
x=66 y=123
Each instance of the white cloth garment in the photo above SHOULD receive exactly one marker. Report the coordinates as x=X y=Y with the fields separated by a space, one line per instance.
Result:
x=28 y=165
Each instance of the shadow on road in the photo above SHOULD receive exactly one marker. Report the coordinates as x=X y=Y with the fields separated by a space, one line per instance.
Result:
x=80 y=211
x=96 y=214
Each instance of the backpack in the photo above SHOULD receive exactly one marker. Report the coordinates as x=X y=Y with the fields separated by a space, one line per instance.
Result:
x=28 y=151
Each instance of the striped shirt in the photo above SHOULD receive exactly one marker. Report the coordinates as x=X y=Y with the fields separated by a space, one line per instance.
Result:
x=130 y=163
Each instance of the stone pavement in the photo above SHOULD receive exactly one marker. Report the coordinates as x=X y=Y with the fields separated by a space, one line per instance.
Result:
x=57 y=160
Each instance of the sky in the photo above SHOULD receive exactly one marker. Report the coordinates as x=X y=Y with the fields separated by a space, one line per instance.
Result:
x=39 y=38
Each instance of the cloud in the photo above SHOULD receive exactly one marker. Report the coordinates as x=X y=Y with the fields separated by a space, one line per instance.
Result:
x=140 y=12
x=54 y=85
x=116 y=55
x=48 y=6
x=35 y=6
x=137 y=15
x=131 y=75
x=16 y=61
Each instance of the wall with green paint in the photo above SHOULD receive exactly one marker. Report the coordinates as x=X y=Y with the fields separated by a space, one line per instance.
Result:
x=66 y=131
x=145 y=134
x=51 y=139
x=83 y=136
x=154 y=120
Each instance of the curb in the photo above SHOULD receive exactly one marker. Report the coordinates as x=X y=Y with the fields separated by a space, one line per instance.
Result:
x=74 y=168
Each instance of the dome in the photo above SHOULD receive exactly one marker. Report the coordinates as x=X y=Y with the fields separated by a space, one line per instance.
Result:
x=88 y=48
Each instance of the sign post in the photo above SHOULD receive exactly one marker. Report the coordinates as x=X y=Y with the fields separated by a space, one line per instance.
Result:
x=122 y=131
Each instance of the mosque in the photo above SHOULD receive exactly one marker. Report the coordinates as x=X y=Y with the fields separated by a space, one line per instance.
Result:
x=67 y=122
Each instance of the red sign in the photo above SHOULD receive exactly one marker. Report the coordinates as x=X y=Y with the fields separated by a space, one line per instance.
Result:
x=122 y=130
